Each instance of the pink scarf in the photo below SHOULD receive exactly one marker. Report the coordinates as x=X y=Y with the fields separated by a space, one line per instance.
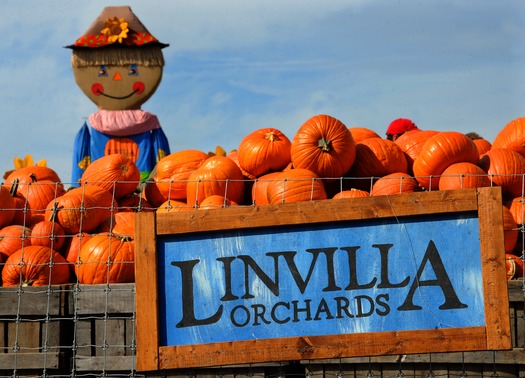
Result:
x=123 y=122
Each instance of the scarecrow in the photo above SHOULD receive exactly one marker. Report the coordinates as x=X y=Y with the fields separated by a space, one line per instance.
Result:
x=118 y=65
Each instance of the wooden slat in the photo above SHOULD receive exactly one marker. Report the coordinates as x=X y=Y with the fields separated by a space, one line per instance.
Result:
x=29 y=361
x=31 y=300
x=147 y=288
x=83 y=337
x=515 y=356
x=493 y=265
x=310 y=348
x=110 y=333
x=238 y=217
x=110 y=363
x=516 y=293
x=100 y=299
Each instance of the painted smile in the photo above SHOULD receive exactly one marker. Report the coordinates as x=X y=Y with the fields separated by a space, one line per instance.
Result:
x=98 y=90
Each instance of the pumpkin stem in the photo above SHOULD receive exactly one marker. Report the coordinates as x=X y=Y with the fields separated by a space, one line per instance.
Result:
x=14 y=187
x=33 y=177
x=324 y=145
x=54 y=212
x=270 y=136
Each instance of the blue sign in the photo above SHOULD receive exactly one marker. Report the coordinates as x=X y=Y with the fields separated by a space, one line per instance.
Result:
x=327 y=279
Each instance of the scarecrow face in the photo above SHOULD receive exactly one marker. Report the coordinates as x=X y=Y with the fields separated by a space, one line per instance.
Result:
x=115 y=87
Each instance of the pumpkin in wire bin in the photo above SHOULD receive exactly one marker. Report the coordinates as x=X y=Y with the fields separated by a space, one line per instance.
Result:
x=173 y=171
x=264 y=150
x=116 y=173
x=35 y=266
x=295 y=185
x=512 y=136
x=505 y=168
x=462 y=176
x=13 y=238
x=81 y=209
x=395 y=183
x=217 y=175
x=325 y=146
x=439 y=152
x=106 y=258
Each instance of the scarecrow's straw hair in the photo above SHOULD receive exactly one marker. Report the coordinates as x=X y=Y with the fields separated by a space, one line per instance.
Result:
x=117 y=56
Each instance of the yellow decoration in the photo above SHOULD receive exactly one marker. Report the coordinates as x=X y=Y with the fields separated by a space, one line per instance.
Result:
x=28 y=162
x=115 y=29
x=22 y=163
x=83 y=164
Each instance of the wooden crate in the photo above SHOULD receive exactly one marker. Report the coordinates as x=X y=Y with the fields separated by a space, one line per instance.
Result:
x=104 y=327
x=31 y=328
x=81 y=329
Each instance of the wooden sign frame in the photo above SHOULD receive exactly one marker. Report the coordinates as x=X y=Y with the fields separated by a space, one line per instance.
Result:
x=485 y=202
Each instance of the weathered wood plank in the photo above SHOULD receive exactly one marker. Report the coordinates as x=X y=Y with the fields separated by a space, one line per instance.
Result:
x=12 y=361
x=515 y=356
x=237 y=217
x=100 y=299
x=107 y=363
x=494 y=268
x=310 y=348
x=29 y=301
x=516 y=291
x=83 y=337
x=147 y=325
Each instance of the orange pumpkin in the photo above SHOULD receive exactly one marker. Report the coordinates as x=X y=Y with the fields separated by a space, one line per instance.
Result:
x=22 y=213
x=510 y=230
x=361 y=133
x=395 y=183
x=439 y=152
x=48 y=233
x=517 y=209
x=81 y=209
x=35 y=266
x=174 y=206
x=260 y=188
x=7 y=206
x=133 y=202
x=262 y=151
x=121 y=224
x=174 y=170
x=116 y=173
x=38 y=194
x=72 y=249
x=482 y=145
x=411 y=143
x=26 y=175
x=106 y=259
x=152 y=193
x=505 y=167
x=295 y=185
x=217 y=175
x=512 y=136
x=351 y=193
x=514 y=266
x=215 y=202
x=377 y=158
x=12 y=238
x=325 y=146
x=463 y=175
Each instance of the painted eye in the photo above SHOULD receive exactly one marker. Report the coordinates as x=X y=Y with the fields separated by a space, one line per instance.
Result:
x=102 y=71
x=133 y=70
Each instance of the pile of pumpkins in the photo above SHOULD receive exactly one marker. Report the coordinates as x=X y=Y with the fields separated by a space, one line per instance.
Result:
x=85 y=234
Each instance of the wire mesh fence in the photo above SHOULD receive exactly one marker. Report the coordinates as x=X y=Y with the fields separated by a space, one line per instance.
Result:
x=68 y=292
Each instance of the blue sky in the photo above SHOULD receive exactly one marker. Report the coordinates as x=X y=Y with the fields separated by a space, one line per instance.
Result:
x=235 y=66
